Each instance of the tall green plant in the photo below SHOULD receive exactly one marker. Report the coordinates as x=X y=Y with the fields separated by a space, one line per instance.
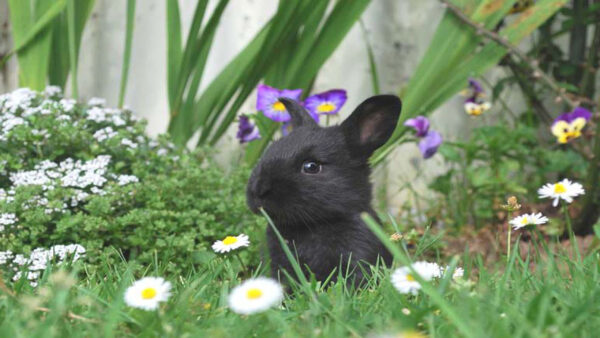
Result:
x=46 y=40
x=457 y=52
x=287 y=52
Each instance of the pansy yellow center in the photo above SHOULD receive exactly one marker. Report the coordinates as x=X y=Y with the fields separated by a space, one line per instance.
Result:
x=524 y=221
x=559 y=188
x=278 y=106
x=326 y=107
x=253 y=293
x=476 y=111
x=230 y=240
x=565 y=131
x=148 y=293
x=410 y=278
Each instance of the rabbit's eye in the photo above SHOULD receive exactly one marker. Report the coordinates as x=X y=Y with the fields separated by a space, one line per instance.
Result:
x=311 y=167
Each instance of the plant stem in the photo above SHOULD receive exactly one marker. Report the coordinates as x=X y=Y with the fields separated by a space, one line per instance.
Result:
x=241 y=261
x=508 y=245
x=572 y=238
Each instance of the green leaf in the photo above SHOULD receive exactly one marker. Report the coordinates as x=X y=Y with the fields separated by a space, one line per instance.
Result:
x=127 y=49
x=32 y=33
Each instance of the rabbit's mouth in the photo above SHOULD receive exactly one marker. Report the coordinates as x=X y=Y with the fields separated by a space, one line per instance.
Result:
x=254 y=206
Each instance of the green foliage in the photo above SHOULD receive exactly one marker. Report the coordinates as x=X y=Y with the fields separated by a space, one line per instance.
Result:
x=457 y=52
x=46 y=40
x=497 y=162
x=85 y=174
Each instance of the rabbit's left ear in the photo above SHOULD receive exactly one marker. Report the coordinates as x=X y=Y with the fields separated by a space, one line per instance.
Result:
x=372 y=123
x=300 y=116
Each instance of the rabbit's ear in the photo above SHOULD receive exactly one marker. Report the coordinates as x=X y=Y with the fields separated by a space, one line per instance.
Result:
x=372 y=123
x=300 y=116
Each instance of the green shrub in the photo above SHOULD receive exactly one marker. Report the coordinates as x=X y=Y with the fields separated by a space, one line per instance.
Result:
x=82 y=174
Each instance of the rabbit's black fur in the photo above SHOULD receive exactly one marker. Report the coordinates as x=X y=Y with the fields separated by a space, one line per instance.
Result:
x=318 y=214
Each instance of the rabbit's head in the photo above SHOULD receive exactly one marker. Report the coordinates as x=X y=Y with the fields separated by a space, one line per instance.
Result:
x=318 y=174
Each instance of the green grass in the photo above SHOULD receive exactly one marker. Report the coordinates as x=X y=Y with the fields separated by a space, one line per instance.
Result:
x=528 y=297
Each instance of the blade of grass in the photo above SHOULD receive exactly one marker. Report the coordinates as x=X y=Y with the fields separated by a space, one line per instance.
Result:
x=372 y=62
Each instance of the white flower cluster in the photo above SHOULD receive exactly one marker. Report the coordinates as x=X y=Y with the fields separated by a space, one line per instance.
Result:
x=104 y=134
x=7 y=219
x=39 y=258
x=126 y=179
x=18 y=99
x=100 y=115
x=83 y=177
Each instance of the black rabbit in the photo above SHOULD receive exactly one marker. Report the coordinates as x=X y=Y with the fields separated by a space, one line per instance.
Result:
x=314 y=184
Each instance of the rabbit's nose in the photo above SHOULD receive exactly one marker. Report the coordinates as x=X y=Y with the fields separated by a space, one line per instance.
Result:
x=263 y=187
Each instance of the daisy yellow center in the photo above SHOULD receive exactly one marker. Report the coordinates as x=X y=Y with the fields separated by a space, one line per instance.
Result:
x=410 y=278
x=559 y=188
x=326 y=107
x=524 y=221
x=148 y=293
x=253 y=293
x=230 y=240
x=278 y=106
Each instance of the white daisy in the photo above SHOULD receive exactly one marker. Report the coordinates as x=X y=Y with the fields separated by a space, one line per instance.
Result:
x=230 y=243
x=255 y=295
x=404 y=280
x=528 y=219
x=564 y=189
x=458 y=272
x=147 y=292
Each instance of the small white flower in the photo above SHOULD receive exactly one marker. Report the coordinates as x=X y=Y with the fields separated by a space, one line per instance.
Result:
x=97 y=101
x=404 y=280
x=5 y=256
x=126 y=179
x=129 y=143
x=564 y=189
x=147 y=293
x=528 y=219
x=8 y=219
x=67 y=104
x=255 y=295
x=52 y=91
x=458 y=272
x=230 y=243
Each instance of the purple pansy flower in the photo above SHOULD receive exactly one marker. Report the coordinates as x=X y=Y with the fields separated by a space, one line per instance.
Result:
x=247 y=131
x=268 y=102
x=430 y=144
x=430 y=140
x=474 y=104
x=420 y=123
x=578 y=112
x=328 y=102
x=475 y=87
x=568 y=126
